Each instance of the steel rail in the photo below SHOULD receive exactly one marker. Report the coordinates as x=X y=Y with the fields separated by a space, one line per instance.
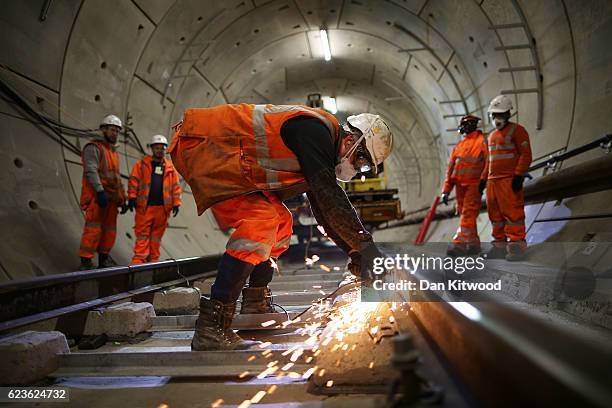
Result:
x=510 y=358
x=33 y=300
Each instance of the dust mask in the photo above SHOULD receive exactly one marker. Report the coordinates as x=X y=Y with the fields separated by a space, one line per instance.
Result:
x=499 y=123
x=345 y=171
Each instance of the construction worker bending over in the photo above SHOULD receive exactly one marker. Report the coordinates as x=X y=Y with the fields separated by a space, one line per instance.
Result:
x=464 y=172
x=101 y=194
x=509 y=159
x=242 y=161
x=154 y=191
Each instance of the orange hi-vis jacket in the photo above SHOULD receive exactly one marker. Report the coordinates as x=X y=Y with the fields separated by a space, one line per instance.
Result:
x=140 y=184
x=467 y=161
x=509 y=152
x=108 y=169
x=231 y=150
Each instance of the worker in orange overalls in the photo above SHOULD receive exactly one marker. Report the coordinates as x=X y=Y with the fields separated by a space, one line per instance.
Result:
x=242 y=161
x=509 y=159
x=101 y=194
x=464 y=171
x=154 y=192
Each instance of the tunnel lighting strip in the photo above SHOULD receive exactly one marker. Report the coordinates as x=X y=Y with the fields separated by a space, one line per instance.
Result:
x=325 y=45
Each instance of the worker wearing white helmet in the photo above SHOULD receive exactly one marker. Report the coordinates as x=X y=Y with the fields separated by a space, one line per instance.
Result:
x=508 y=161
x=154 y=192
x=102 y=193
x=242 y=161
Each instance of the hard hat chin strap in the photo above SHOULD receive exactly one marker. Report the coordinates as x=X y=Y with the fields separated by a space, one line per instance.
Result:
x=354 y=147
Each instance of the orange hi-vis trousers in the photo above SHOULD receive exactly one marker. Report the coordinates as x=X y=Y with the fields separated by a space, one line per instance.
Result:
x=263 y=226
x=506 y=211
x=100 y=229
x=149 y=227
x=468 y=207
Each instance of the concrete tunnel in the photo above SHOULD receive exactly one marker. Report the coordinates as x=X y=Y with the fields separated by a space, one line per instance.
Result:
x=420 y=64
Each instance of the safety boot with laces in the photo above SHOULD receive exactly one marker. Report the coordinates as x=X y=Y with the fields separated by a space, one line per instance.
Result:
x=256 y=300
x=213 y=328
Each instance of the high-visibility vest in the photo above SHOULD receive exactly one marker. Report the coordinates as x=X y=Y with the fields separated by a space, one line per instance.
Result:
x=467 y=161
x=509 y=151
x=230 y=150
x=110 y=177
x=139 y=184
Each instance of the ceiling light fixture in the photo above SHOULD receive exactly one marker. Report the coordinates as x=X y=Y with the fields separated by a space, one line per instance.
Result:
x=325 y=44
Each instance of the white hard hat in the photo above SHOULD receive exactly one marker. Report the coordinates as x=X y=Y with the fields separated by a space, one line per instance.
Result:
x=378 y=137
x=159 y=139
x=500 y=104
x=111 y=120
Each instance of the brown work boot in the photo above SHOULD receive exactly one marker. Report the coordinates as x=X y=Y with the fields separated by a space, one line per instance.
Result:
x=497 y=252
x=516 y=251
x=256 y=300
x=212 y=330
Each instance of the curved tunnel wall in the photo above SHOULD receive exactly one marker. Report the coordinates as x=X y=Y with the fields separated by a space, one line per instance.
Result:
x=419 y=63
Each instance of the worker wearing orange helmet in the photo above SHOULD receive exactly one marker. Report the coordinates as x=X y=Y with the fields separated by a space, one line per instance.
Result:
x=464 y=172
x=154 y=192
x=241 y=161
x=102 y=193
x=509 y=159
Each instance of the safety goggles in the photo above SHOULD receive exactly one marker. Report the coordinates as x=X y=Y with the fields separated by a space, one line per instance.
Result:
x=363 y=163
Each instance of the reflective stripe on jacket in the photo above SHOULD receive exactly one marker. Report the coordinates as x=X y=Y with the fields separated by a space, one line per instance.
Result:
x=108 y=169
x=231 y=150
x=509 y=152
x=139 y=185
x=467 y=161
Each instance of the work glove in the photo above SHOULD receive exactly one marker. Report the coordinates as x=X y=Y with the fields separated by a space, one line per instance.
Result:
x=102 y=198
x=517 y=182
x=175 y=210
x=482 y=185
x=124 y=209
x=131 y=204
x=445 y=198
x=362 y=262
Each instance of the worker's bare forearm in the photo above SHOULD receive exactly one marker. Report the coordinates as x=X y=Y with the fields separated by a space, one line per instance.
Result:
x=337 y=210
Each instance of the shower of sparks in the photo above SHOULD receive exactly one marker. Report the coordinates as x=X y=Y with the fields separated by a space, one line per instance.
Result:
x=326 y=327
x=309 y=372
x=257 y=397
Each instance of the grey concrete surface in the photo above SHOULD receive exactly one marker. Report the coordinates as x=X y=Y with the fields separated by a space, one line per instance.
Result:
x=30 y=356
x=148 y=61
